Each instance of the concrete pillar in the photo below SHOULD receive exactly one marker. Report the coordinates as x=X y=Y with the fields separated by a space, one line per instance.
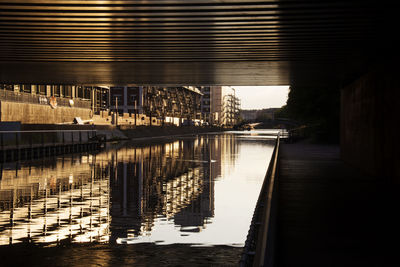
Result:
x=33 y=89
x=48 y=90
x=125 y=107
x=93 y=95
x=370 y=115
x=73 y=91
x=140 y=107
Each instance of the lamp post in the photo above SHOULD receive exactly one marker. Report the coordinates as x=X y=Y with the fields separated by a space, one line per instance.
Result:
x=135 y=112
x=116 y=111
x=151 y=109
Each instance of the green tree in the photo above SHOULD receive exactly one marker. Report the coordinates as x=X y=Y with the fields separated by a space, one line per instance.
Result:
x=317 y=107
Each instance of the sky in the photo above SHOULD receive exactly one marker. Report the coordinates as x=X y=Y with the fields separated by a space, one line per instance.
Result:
x=259 y=97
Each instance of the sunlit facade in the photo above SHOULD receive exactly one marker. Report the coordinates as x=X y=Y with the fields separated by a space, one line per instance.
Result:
x=225 y=106
x=157 y=105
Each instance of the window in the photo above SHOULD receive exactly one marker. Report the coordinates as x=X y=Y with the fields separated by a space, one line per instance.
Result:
x=118 y=98
x=133 y=94
x=104 y=98
x=41 y=89
x=67 y=90
x=87 y=92
x=79 y=92
x=9 y=87
x=25 y=88
x=56 y=90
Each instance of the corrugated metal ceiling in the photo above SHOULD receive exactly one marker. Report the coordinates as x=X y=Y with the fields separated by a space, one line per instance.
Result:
x=186 y=42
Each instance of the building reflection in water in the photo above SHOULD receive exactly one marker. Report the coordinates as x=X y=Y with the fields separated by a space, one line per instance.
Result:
x=115 y=195
x=51 y=202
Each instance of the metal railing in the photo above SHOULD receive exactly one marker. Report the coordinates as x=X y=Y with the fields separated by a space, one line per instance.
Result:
x=42 y=99
x=259 y=249
x=301 y=132
x=32 y=139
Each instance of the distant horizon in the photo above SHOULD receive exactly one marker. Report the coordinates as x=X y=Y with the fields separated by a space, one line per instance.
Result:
x=262 y=97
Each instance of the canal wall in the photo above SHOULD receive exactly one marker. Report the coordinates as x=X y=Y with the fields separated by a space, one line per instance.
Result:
x=27 y=113
x=369 y=119
x=110 y=132
x=154 y=131
x=123 y=132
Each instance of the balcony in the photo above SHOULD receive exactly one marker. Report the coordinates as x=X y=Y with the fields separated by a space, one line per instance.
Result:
x=42 y=99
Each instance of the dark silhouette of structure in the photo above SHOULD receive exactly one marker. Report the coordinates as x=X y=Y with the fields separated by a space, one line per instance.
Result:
x=348 y=45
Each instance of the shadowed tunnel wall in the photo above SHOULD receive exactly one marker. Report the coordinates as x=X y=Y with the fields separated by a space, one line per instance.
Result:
x=369 y=124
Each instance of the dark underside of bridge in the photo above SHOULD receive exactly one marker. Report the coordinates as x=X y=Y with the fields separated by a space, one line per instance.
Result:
x=213 y=42
x=348 y=45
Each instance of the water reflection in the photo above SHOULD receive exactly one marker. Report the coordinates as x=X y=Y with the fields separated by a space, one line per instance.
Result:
x=187 y=191
x=54 y=201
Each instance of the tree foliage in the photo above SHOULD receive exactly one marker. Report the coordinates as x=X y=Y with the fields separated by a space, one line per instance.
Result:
x=317 y=107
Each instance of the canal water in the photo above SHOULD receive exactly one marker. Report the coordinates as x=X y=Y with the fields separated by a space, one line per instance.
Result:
x=182 y=201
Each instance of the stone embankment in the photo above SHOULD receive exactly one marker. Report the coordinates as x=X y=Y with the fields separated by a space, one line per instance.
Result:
x=113 y=133
x=161 y=131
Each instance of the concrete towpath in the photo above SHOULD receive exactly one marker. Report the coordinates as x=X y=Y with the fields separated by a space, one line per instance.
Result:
x=330 y=214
